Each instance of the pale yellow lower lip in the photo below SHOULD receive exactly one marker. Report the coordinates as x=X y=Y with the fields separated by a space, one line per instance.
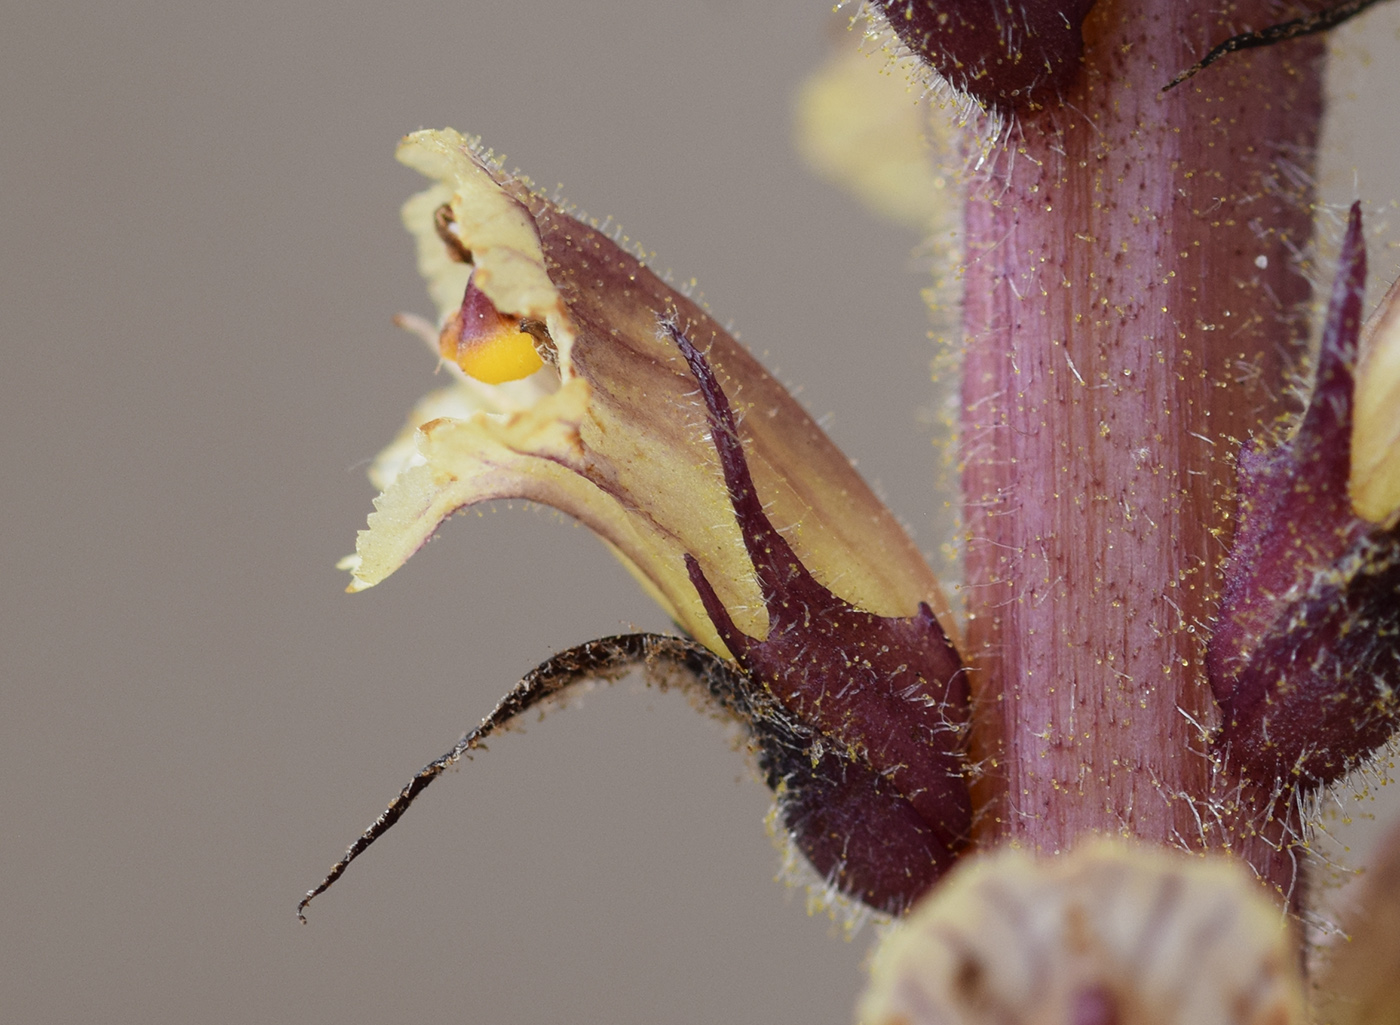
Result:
x=1375 y=445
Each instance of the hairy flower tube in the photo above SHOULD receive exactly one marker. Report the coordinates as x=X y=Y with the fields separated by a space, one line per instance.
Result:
x=641 y=418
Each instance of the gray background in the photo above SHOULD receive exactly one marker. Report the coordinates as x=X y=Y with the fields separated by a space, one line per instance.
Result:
x=201 y=253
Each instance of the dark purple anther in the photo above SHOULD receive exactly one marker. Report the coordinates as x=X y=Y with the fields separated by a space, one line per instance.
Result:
x=1003 y=52
x=878 y=799
x=1305 y=655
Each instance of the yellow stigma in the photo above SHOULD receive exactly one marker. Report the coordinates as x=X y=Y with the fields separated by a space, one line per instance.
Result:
x=506 y=355
x=486 y=345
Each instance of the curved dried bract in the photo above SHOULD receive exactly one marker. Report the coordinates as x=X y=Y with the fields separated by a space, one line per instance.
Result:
x=727 y=502
x=1105 y=935
x=665 y=661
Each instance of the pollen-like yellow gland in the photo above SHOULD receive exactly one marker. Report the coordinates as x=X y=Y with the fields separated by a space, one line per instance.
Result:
x=1375 y=444
x=487 y=345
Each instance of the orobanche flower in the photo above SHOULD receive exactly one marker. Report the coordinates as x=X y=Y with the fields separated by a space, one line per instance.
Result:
x=1182 y=615
x=589 y=384
x=611 y=432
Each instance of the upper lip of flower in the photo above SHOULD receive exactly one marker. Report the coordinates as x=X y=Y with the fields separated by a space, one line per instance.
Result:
x=613 y=434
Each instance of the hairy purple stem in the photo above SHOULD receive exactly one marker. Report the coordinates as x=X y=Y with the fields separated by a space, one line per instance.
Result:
x=1133 y=303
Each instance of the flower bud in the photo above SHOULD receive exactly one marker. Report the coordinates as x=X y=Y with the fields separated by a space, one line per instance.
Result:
x=744 y=521
x=1102 y=935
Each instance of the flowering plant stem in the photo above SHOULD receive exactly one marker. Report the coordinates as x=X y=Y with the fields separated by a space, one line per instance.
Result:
x=1134 y=304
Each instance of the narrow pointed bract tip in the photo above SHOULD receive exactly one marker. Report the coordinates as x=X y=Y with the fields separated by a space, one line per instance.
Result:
x=665 y=659
x=1302 y=658
x=874 y=792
